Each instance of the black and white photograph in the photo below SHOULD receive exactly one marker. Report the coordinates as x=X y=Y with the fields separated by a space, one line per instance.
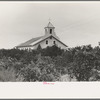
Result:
x=49 y=42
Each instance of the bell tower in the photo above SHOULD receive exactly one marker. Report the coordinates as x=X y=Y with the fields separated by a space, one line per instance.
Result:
x=49 y=30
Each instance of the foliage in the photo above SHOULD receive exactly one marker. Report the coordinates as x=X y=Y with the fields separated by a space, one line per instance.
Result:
x=81 y=63
x=52 y=51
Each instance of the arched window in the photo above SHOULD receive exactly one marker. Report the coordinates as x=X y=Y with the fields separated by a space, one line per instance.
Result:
x=46 y=41
x=50 y=31
x=54 y=42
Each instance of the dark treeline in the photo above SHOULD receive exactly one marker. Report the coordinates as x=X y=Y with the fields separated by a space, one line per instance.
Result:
x=50 y=64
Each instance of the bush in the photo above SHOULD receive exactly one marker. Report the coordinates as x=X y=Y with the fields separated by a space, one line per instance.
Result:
x=50 y=64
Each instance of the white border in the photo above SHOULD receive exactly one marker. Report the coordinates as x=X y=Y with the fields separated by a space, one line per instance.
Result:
x=38 y=90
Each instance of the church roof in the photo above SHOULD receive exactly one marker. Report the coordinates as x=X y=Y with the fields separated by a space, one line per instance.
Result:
x=37 y=40
x=50 y=25
x=44 y=38
x=27 y=43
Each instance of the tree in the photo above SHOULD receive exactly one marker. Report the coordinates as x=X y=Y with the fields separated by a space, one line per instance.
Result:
x=52 y=51
x=30 y=73
x=82 y=65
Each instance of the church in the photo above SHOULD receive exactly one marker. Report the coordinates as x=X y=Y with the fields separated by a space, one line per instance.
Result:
x=49 y=39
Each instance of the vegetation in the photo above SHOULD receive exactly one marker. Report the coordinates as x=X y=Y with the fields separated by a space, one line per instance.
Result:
x=50 y=64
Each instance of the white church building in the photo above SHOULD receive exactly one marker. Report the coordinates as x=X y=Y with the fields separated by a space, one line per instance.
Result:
x=49 y=39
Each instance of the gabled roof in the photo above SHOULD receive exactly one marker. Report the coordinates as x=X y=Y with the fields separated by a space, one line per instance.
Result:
x=37 y=40
x=44 y=38
x=27 y=43
x=50 y=25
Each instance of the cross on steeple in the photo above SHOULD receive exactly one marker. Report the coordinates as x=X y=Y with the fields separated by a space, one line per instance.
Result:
x=49 y=19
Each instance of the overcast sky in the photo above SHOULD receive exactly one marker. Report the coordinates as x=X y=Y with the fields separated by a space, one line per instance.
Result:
x=76 y=23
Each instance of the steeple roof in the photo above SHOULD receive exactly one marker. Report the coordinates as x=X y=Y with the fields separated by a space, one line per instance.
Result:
x=50 y=25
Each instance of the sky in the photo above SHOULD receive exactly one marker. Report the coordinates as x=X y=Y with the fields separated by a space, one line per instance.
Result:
x=76 y=23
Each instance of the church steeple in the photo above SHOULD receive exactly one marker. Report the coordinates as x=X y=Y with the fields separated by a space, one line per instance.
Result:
x=49 y=29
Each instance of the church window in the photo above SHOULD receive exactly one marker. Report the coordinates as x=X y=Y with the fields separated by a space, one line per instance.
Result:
x=54 y=42
x=50 y=31
x=46 y=41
